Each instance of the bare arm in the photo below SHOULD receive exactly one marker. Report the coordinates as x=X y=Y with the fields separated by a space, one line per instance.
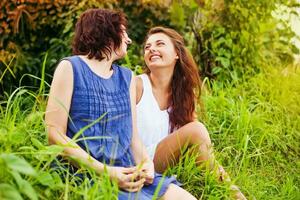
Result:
x=57 y=116
x=138 y=148
x=139 y=89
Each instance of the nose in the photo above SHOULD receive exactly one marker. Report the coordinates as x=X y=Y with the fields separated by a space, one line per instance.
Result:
x=128 y=40
x=152 y=49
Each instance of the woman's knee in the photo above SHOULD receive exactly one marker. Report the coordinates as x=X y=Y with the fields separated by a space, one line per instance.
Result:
x=175 y=192
x=198 y=133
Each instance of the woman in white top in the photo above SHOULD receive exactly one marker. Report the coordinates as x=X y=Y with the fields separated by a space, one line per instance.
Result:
x=166 y=101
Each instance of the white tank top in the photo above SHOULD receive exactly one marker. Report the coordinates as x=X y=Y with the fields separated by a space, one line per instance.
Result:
x=152 y=123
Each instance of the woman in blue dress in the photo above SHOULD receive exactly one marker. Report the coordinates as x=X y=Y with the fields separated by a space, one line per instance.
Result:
x=92 y=101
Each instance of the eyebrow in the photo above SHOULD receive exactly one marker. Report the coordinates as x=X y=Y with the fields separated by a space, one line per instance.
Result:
x=155 y=42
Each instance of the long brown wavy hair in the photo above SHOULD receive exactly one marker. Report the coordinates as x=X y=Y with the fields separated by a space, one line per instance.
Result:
x=186 y=82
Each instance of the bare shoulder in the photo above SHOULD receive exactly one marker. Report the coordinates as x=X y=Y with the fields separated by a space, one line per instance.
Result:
x=64 y=67
x=139 y=88
x=139 y=83
x=63 y=76
x=63 y=72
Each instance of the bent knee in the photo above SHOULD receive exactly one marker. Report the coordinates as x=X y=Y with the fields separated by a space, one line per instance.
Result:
x=175 y=192
x=199 y=132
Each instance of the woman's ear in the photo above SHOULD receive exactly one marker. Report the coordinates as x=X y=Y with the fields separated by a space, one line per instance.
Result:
x=176 y=57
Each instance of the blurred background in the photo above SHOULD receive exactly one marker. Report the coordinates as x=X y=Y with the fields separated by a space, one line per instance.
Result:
x=226 y=37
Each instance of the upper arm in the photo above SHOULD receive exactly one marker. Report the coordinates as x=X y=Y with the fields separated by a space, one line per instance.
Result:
x=139 y=89
x=60 y=96
x=133 y=105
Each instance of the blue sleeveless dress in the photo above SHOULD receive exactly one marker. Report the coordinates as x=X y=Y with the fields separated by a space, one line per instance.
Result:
x=103 y=107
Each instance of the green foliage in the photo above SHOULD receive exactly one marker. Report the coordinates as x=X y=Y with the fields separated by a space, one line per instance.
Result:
x=30 y=25
x=181 y=13
x=227 y=38
x=30 y=28
x=233 y=37
x=255 y=128
x=27 y=28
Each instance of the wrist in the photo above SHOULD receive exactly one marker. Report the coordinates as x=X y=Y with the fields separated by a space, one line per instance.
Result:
x=99 y=167
x=150 y=161
x=147 y=160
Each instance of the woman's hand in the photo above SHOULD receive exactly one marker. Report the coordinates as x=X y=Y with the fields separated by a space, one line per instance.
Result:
x=237 y=194
x=147 y=168
x=128 y=179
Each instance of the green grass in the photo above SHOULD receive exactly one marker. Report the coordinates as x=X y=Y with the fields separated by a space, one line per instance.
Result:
x=254 y=125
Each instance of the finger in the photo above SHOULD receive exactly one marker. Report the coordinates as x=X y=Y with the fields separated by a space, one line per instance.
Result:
x=135 y=175
x=135 y=189
x=148 y=174
x=129 y=170
x=144 y=167
x=128 y=189
x=142 y=174
x=131 y=177
x=134 y=185
x=149 y=179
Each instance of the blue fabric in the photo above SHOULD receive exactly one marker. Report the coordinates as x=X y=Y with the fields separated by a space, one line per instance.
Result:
x=103 y=107
x=95 y=97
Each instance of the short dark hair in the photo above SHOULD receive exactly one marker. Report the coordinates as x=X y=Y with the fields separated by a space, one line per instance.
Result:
x=97 y=31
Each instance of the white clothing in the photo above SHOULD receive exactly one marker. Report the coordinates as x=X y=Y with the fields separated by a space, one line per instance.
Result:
x=152 y=123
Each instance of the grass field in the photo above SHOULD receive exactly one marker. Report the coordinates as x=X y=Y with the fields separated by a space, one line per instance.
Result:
x=254 y=124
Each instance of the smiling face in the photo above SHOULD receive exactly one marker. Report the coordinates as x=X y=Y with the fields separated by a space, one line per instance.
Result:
x=159 y=51
x=122 y=50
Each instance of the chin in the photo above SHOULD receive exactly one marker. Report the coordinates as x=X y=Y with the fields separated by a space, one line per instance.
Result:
x=155 y=65
x=121 y=54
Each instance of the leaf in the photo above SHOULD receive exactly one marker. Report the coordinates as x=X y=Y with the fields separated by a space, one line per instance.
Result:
x=58 y=180
x=216 y=70
x=177 y=15
x=295 y=49
x=27 y=148
x=46 y=179
x=28 y=190
x=17 y=177
x=18 y=164
x=8 y=192
x=24 y=186
x=37 y=143
x=52 y=150
x=224 y=61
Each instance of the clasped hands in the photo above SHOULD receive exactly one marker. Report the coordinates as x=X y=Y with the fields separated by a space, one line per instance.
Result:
x=132 y=179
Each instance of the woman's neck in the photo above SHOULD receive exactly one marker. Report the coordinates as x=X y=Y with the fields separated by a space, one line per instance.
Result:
x=102 y=67
x=161 y=79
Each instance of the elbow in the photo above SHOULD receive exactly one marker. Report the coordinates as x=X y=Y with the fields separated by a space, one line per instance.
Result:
x=55 y=135
x=51 y=138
